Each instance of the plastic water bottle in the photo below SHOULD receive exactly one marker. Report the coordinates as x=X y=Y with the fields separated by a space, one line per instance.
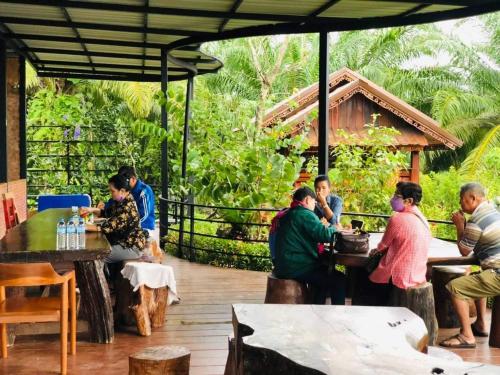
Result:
x=71 y=236
x=61 y=235
x=80 y=230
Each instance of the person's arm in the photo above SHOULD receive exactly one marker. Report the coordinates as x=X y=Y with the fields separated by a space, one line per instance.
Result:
x=390 y=232
x=143 y=206
x=336 y=209
x=467 y=238
x=316 y=229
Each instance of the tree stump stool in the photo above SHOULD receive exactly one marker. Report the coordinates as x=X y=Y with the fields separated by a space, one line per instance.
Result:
x=445 y=313
x=420 y=300
x=495 y=323
x=160 y=360
x=286 y=291
x=146 y=308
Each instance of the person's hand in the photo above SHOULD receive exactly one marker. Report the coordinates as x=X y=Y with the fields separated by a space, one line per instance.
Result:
x=321 y=199
x=91 y=228
x=339 y=227
x=324 y=221
x=84 y=211
x=100 y=205
x=458 y=219
x=373 y=252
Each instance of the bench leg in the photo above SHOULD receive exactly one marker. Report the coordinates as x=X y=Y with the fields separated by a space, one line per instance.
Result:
x=495 y=323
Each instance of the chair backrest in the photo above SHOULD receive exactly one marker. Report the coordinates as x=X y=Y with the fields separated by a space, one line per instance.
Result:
x=28 y=274
x=9 y=211
x=63 y=201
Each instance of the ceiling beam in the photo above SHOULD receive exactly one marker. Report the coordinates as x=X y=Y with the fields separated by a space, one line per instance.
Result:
x=100 y=26
x=115 y=66
x=323 y=8
x=414 y=10
x=68 y=39
x=330 y=24
x=113 y=7
x=77 y=34
x=112 y=77
x=144 y=34
x=57 y=51
x=232 y=11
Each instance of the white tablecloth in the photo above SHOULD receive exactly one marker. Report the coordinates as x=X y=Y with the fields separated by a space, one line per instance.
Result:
x=152 y=275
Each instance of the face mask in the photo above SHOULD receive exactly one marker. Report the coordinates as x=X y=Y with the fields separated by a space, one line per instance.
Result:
x=397 y=204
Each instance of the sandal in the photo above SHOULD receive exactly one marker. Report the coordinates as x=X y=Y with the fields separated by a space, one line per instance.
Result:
x=477 y=332
x=462 y=343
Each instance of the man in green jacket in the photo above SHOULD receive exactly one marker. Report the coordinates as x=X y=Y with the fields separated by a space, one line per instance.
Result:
x=298 y=234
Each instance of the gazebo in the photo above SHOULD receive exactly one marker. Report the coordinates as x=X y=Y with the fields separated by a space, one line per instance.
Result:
x=352 y=100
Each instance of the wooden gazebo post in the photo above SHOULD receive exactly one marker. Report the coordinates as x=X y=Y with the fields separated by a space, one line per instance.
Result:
x=415 y=166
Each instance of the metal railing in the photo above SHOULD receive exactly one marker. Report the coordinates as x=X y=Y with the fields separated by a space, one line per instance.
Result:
x=182 y=216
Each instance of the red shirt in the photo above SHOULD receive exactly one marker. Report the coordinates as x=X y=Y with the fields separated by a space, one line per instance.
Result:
x=406 y=241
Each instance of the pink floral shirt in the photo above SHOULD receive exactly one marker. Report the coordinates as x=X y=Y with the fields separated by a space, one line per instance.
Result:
x=406 y=242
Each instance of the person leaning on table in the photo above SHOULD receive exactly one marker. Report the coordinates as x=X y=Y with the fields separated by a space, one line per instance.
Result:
x=479 y=235
x=122 y=225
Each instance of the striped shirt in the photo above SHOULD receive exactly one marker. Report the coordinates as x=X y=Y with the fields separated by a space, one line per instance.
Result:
x=482 y=235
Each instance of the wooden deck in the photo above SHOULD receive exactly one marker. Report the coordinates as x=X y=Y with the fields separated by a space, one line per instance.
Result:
x=201 y=322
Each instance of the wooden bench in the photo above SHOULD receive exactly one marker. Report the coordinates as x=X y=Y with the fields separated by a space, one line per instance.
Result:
x=445 y=312
x=286 y=291
x=160 y=360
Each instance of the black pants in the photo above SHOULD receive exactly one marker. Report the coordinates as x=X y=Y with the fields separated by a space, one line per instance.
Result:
x=324 y=284
x=368 y=293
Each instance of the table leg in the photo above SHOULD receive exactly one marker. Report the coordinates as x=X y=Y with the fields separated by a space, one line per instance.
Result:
x=95 y=300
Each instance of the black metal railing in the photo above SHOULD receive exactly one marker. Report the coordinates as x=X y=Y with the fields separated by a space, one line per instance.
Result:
x=182 y=217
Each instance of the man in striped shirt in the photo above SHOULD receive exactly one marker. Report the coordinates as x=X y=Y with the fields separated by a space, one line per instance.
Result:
x=480 y=235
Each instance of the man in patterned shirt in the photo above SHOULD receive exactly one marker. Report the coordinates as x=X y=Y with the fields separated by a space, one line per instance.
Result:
x=479 y=235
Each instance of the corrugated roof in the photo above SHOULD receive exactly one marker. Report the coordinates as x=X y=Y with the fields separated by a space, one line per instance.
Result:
x=132 y=32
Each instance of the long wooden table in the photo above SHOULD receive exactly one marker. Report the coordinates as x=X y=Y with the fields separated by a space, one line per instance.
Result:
x=440 y=252
x=35 y=241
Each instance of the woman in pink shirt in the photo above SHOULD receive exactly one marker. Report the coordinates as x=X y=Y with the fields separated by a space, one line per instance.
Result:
x=405 y=243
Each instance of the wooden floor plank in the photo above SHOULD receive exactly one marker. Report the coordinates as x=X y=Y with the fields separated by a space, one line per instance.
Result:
x=201 y=322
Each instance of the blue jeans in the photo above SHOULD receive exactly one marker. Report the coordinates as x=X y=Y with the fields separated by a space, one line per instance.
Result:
x=324 y=284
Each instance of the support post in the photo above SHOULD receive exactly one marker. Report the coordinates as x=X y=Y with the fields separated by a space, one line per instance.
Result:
x=164 y=148
x=22 y=117
x=415 y=166
x=323 y=111
x=3 y=111
x=185 y=141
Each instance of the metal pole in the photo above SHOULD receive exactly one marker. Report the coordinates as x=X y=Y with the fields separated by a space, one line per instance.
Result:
x=22 y=117
x=187 y=135
x=164 y=148
x=323 y=118
x=3 y=111
x=185 y=140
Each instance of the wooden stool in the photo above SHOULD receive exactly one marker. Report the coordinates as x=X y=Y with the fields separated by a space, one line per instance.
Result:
x=420 y=300
x=286 y=291
x=160 y=360
x=145 y=307
x=445 y=312
x=495 y=323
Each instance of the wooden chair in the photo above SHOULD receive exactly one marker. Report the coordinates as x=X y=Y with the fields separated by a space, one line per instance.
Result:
x=36 y=309
x=9 y=211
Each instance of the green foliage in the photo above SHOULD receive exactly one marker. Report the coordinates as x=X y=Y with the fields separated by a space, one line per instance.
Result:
x=366 y=170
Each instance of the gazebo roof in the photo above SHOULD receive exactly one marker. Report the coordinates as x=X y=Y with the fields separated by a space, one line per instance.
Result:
x=121 y=39
x=421 y=129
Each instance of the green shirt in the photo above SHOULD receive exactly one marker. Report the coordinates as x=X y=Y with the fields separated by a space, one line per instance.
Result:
x=297 y=238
